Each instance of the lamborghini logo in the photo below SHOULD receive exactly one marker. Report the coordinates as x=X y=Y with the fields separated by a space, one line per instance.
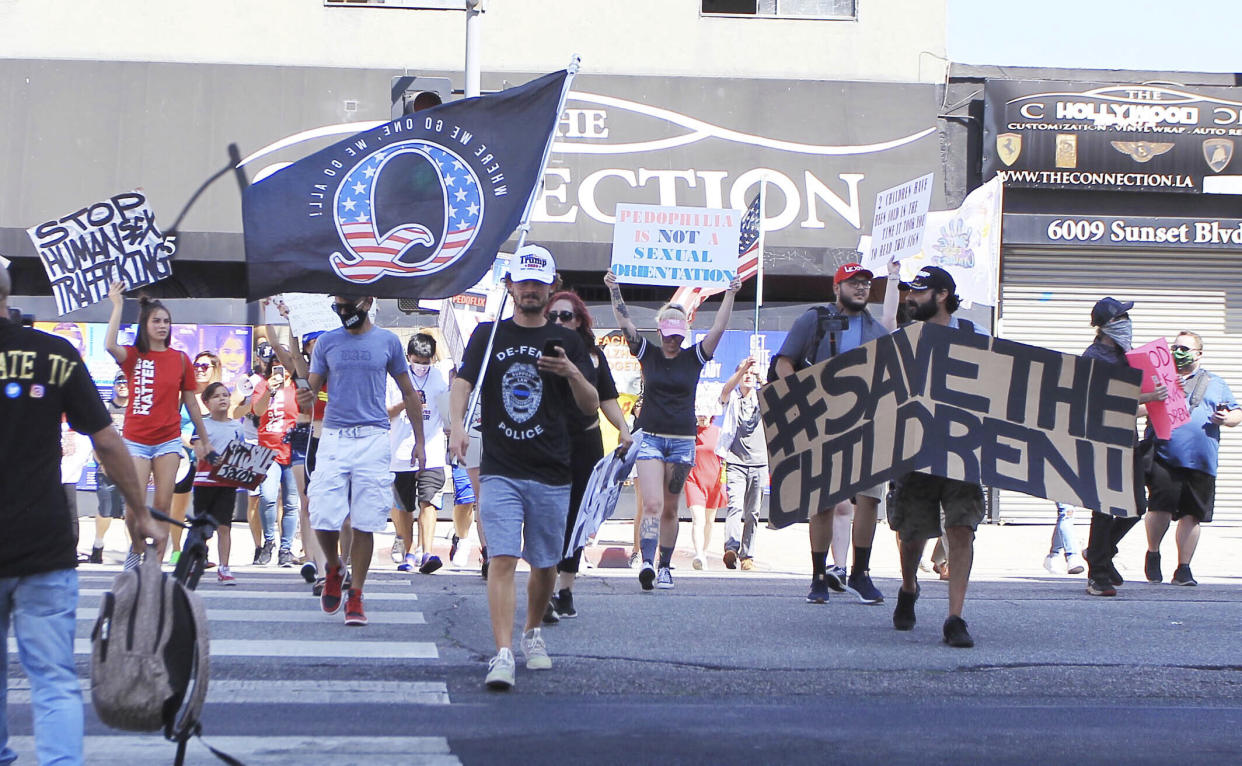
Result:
x=1141 y=151
x=1217 y=152
x=1008 y=147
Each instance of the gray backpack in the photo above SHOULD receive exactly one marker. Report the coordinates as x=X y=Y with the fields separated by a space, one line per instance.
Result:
x=150 y=654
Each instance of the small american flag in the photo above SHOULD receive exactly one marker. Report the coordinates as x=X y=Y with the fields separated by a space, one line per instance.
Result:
x=748 y=257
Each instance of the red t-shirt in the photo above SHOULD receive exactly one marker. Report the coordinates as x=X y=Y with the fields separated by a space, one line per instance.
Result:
x=156 y=380
x=281 y=416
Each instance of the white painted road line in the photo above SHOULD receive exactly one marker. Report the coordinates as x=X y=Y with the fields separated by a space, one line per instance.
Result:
x=285 y=649
x=308 y=615
x=303 y=692
x=261 y=750
x=241 y=593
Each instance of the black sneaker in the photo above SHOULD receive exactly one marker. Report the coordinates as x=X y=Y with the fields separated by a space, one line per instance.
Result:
x=1182 y=576
x=96 y=556
x=1101 y=586
x=265 y=554
x=1114 y=576
x=860 y=585
x=836 y=578
x=819 y=590
x=258 y=554
x=647 y=576
x=550 y=617
x=563 y=602
x=285 y=559
x=903 y=615
x=309 y=570
x=955 y=633
x=1151 y=567
x=453 y=547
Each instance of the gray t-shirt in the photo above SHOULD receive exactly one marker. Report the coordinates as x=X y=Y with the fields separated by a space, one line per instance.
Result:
x=749 y=445
x=357 y=368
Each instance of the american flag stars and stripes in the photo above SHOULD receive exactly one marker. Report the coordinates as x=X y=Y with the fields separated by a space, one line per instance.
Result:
x=376 y=255
x=748 y=257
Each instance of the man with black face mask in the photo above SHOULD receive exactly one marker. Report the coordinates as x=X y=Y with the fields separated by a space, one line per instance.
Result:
x=351 y=469
x=1113 y=339
x=1182 y=483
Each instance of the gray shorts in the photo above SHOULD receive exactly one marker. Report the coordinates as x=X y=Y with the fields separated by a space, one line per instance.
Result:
x=524 y=519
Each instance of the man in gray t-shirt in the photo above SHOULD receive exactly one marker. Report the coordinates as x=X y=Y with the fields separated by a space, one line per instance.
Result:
x=744 y=448
x=352 y=479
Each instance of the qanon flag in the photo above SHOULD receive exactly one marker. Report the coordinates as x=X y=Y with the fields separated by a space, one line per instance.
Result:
x=414 y=208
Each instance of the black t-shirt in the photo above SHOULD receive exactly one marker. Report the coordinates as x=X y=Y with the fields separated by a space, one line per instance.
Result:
x=525 y=430
x=668 y=388
x=600 y=376
x=41 y=377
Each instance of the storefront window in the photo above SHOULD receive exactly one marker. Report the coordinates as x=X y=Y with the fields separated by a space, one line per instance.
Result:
x=806 y=9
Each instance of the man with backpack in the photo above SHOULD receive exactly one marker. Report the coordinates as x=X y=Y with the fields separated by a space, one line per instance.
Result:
x=820 y=333
x=42 y=378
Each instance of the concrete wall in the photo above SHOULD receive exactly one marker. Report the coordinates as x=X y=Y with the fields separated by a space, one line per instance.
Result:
x=891 y=40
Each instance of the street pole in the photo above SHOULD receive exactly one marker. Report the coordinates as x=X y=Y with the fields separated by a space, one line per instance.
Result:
x=474 y=23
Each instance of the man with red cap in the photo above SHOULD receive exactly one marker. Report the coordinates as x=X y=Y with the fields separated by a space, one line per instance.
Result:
x=839 y=327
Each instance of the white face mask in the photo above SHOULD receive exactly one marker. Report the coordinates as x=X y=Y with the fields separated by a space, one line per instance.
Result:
x=420 y=370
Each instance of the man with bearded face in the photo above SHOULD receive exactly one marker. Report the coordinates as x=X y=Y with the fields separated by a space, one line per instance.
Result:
x=850 y=327
x=1113 y=339
x=918 y=499
x=1182 y=483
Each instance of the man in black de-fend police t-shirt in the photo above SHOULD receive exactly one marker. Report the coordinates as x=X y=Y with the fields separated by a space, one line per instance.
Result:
x=42 y=377
x=526 y=394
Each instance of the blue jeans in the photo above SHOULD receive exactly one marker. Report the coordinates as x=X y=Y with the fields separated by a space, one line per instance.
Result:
x=1063 y=533
x=280 y=484
x=41 y=608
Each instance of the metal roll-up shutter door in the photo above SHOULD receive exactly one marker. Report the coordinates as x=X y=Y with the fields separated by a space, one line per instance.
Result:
x=1047 y=298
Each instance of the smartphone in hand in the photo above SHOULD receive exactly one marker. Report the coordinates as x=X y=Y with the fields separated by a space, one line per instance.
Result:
x=551 y=345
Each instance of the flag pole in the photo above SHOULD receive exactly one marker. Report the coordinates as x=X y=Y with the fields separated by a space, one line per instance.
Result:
x=763 y=201
x=523 y=229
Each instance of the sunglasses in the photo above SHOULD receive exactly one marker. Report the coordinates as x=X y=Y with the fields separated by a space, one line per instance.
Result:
x=1184 y=348
x=561 y=316
x=202 y=366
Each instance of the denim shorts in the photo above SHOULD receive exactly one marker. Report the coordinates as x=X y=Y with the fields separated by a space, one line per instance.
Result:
x=524 y=519
x=152 y=451
x=669 y=449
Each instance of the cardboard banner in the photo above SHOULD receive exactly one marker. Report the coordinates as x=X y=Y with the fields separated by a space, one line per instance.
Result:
x=672 y=246
x=1156 y=362
x=958 y=404
x=599 y=500
x=85 y=251
x=897 y=226
x=243 y=465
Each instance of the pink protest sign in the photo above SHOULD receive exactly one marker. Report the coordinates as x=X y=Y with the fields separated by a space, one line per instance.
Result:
x=1156 y=362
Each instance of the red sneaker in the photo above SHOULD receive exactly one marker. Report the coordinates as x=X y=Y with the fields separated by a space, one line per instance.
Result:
x=353 y=609
x=330 y=599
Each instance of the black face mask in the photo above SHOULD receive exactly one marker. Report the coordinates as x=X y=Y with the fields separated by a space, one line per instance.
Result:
x=351 y=316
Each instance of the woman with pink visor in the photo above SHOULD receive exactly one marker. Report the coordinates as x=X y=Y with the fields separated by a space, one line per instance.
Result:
x=666 y=455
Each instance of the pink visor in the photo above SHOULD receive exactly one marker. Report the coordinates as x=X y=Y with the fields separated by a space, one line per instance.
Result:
x=670 y=327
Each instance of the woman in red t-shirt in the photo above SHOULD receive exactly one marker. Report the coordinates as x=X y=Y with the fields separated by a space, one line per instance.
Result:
x=161 y=380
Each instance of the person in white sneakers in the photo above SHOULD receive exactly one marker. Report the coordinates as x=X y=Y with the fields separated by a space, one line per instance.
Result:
x=1063 y=555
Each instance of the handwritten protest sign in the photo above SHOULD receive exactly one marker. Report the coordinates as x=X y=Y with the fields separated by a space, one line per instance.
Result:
x=958 y=404
x=599 y=499
x=671 y=246
x=311 y=312
x=900 y=214
x=1155 y=360
x=85 y=251
x=242 y=465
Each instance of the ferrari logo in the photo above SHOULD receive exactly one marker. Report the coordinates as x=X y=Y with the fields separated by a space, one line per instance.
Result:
x=1141 y=151
x=1008 y=147
x=1217 y=152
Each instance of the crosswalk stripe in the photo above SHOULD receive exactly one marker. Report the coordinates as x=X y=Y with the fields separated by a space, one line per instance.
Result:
x=286 y=649
x=261 y=750
x=309 y=615
x=301 y=692
x=241 y=593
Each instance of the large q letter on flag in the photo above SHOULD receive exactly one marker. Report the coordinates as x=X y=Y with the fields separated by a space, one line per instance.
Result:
x=414 y=208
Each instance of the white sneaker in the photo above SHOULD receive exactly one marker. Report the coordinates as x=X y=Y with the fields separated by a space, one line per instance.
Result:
x=398 y=551
x=500 y=671
x=535 y=651
x=664 y=579
x=1074 y=565
x=1052 y=562
x=462 y=559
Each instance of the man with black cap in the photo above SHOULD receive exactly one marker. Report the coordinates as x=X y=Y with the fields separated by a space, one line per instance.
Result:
x=917 y=500
x=1113 y=338
x=842 y=326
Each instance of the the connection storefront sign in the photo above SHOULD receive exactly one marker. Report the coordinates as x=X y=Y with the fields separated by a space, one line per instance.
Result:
x=1123 y=231
x=1120 y=137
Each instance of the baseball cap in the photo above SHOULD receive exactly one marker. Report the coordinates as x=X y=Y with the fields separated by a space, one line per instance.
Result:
x=933 y=278
x=532 y=262
x=849 y=271
x=674 y=326
x=308 y=337
x=120 y=378
x=1107 y=309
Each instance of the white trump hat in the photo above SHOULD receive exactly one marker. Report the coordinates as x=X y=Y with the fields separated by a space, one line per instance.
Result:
x=532 y=262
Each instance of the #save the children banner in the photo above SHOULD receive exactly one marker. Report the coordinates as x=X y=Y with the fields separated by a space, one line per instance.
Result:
x=672 y=246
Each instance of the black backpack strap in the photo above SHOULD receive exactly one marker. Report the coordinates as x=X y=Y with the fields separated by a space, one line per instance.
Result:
x=181 y=743
x=965 y=324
